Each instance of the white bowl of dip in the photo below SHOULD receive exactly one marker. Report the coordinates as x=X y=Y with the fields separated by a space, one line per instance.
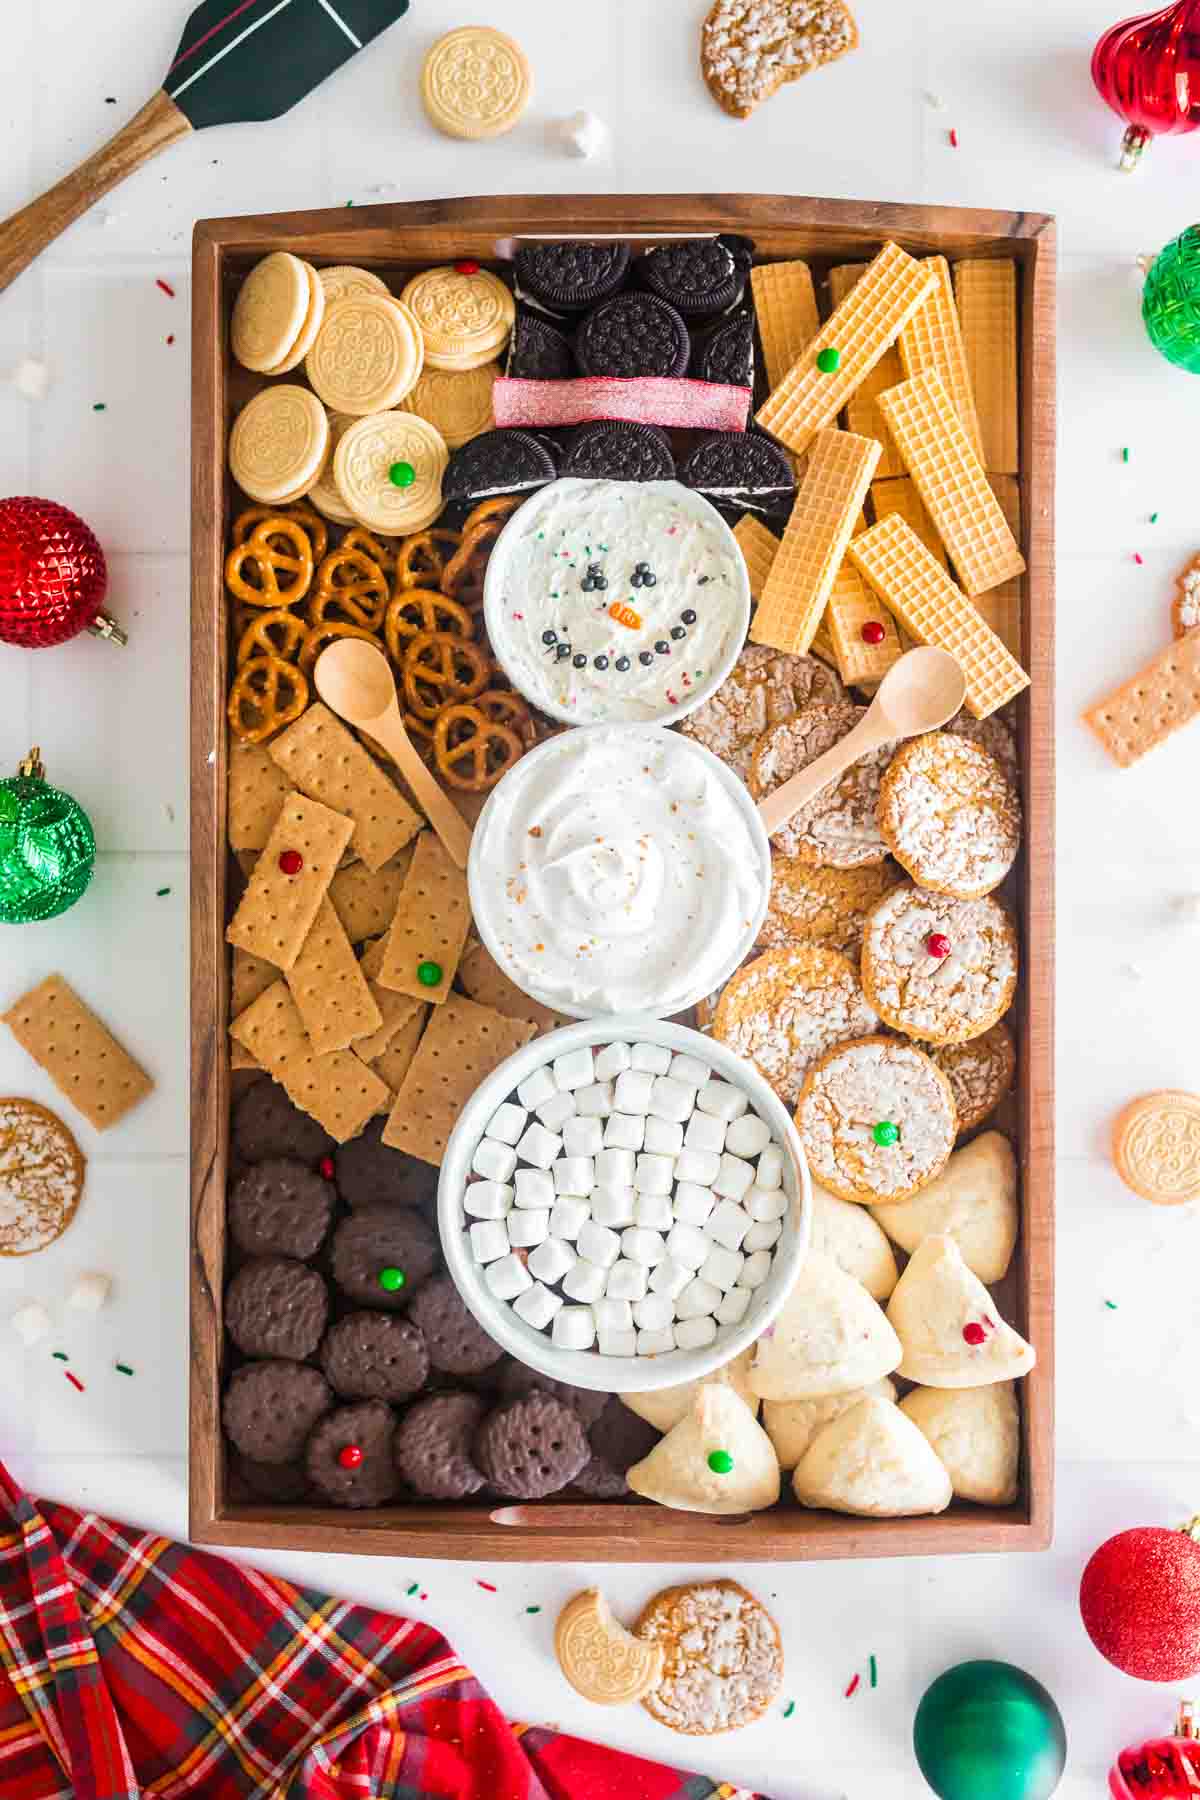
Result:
x=619 y=868
x=632 y=649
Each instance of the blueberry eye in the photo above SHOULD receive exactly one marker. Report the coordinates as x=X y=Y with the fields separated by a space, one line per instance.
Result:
x=561 y=651
x=649 y=580
x=688 y=617
x=677 y=632
x=580 y=662
x=622 y=663
x=601 y=662
x=645 y=657
x=662 y=647
x=549 y=637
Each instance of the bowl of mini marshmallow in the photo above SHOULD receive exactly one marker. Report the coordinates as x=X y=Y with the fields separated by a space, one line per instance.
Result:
x=624 y=1204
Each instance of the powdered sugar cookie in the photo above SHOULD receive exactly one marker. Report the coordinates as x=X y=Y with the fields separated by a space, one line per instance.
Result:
x=813 y=905
x=367 y=356
x=345 y=282
x=456 y=402
x=876 y=1119
x=724 y=1657
x=950 y=815
x=763 y=688
x=995 y=733
x=1185 y=608
x=787 y=1008
x=269 y=311
x=749 y=48
x=839 y=827
x=370 y=456
x=41 y=1177
x=936 y=968
x=980 y=1073
x=278 y=444
x=464 y=316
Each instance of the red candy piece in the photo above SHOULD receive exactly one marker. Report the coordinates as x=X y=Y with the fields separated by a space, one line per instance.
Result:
x=938 y=944
x=873 y=632
x=350 y=1456
x=466 y=267
x=326 y=1168
x=291 y=862
x=974 y=1334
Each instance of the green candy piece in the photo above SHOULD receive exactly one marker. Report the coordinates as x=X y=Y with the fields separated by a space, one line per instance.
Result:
x=402 y=474
x=392 y=1280
x=885 y=1133
x=720 y=1462
x=829 y=360
x=429 y=973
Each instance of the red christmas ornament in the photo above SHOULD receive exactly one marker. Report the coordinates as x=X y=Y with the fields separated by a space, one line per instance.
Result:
x=1148 y=70
x=53 y=576
x=1163 y=1768
x=1140 y=1601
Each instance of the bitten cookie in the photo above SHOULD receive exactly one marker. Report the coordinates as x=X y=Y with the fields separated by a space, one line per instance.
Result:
x=876 y=1119
x=381 y=1256
x=723 y=1657
x=280 y=1208
x=939 y=969
x=270 y=1408
x=375 y=1356
x=601 y=1660
x=531 y=1447
x=433 y=1446
x=950 y=815
x=787 y=1008
x=276 y=1308
x=348 y=1458
x=839 y=826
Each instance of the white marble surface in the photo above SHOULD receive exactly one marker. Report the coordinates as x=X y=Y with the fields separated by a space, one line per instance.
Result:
x=1014 y=82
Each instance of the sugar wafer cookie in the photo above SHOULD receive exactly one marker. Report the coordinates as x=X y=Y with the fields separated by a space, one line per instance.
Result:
x=863 y=633
x=1156 y=1147
x=862 y=412
x=900 y=496
x=388 y=468
x=1003 y=606
x=785 y=305
x=306 y=337
x=456 y=402
x=346 y=282
x=278 y=444
x=463 y=317
x=827 y=507
x=601 y=1660
x=269 y=311
x=475 y=82
x=933 y=339
x=758 y=546
x=986 y=293
x=1155 y=702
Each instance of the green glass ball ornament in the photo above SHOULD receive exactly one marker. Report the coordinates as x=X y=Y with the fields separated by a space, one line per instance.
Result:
x=1171 y=301
x=47 y=847
x=989 y=1731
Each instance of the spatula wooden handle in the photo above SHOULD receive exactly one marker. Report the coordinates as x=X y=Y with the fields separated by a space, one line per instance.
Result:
x=26 y=234
x=779 y=807
x=434 y=802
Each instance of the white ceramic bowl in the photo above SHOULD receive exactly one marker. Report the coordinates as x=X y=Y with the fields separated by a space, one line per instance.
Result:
x=587 y=1368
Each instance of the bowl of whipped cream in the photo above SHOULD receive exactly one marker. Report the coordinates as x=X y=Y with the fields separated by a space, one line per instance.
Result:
x=619 y=868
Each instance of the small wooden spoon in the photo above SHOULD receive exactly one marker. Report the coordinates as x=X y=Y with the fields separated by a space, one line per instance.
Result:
x=355 y=681
x=920 y=691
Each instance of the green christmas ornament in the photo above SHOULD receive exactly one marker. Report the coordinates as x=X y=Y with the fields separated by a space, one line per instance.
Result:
x=1171 y=301
x=989 y=1731
x=47 y=848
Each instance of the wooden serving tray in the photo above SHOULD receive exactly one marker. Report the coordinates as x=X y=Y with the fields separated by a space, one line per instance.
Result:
x=401 y=239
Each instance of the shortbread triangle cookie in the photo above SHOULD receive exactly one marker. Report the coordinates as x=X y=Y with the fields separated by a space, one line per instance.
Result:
x=873 y=1462
x=976 y=1432
x=952 y=1333
x=718 y=1459
x=830 y=1338
x=792 y=1425
x=973 y=1200
x=664 y=1407
x=849 y=1235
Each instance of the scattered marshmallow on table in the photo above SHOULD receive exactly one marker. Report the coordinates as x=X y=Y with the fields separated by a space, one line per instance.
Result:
x=582 y=1136
x=494 y=1160
x=568 y=1216
x=31 y=1323
x=90 y=1292
x=488 y=1199
x=507 y=1123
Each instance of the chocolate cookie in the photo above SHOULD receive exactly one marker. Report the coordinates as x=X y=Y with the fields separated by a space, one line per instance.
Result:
x=348 y=1457
x=432 y=1447
x=506 y=461
x=276 y=1307
x=457 y=1342
x=531 y=1447
x=266 y=1124
x=280 y=1208
x=375 y=1356
x=371 y=1174
x=283 y=1482
x=620 y=1436
x=635 y=334
x=270 y=1408
x=727 y=353
x=569 y=277
x=619 y=450
x=743 y=469
x=600 y=1481
x=381 y=1255
x=519 y=1379
x=537 y=352
x=699 y=277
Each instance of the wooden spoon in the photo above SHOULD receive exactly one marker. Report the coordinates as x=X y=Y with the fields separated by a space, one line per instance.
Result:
x=355 y=681
x=920 y=691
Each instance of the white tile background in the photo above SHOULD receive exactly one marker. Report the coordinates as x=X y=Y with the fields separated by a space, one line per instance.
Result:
x=113 y=729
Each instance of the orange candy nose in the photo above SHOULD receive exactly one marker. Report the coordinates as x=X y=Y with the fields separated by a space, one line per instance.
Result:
x=625 y=615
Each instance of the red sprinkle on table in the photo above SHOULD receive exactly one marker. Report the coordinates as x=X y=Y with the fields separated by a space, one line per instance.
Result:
x=466 y=267
x=486 y=1585
x=873 y=632
x=325 y=1168
x=954 y=140
x=290 y=862
x=74 y=1381
x=974 y=1334
x=851 y=1688
x=350 y=1456
x=938 y=944
x=166 y=287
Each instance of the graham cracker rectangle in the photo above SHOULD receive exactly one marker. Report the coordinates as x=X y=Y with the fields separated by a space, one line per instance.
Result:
x=758 y=546
x=900 y=496
x=986 y=293
x=250 y=976
x=933 y=339
x=81 y=1056
x=914 y=587
x=395 y=1010
x=950 y=480
x=462 y=1045
x=785 y=305
x=365 y=899
x=257 y=788
x=1003 y=606
x=336 y=1089
x=1157 y=701
x=326 y=761
x=393 y=1064
x=827 y=507
x=851 y=606
x=433 y=916
x=482 y=978
x=329 y=988
x=860 y=330
x=862 y=414
x=277 y=910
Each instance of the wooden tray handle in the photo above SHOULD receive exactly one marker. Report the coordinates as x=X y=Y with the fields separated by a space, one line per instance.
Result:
x=26 y=234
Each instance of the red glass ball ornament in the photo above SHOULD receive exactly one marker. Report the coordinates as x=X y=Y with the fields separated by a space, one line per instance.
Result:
x=1140 y=1601
x=350 y=1456
x=290 y=862
x=1162 y=1769
x=53 y=576
x=1148 y=70
x=938 y=944
x=872 y=632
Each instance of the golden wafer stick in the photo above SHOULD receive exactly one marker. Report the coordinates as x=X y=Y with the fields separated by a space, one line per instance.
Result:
x=852 y=610
x=862 y=414
x=932 y=339
x=1003 y=606
x=986 y=293
x=900 y=496
x=785 y=305
x=758 y=546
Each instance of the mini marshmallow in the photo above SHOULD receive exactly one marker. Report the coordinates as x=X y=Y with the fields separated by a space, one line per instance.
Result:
x=669 y=1278
x=507 y=1123
x=762 y=1236
x=700 y=1166
x=722 y=1267
x=582 y=1137
x=534 y=1187
x=624 y=1131
x=525 y=1229
x=655 y=1343
x=582 y=134
x=537 y=1306
x=729 y=1225
x=585 y=1282
x=489 y=1239
x=734 y=1306
x=507 y=1278
x=574 y=1069
x=568 y=1216
x=574 y=1175
x=748 y=1135
x=573 y=1327
x=654 y=1057
x=687 y=1245
x=614 y=1167
x=599 y=1245
x=487 y=1199
x=765 y=1203
x=756 y=1269
x=494 y=1160
x=31 y=1323
x=671 y=1100
x=626 y=1280
x=696 y=1299
x=693 y=1204
x=664 y=1137
x=695 y=1334
x=539 y=1147
x=596 y=1101
x=655 y=1313
x=610 y=1314
x=554 y=1111
x=31 y=377
x=654 y=1174
x=614 y=1206
x=617 y=1343
x=705 y=1133
x=733 y=1177
x=654 y=1210
x=632 y=1091
x=722 y=1101
x=611 y=1061
x=643 y=1246
x=536 y=1089
x=769 y=1173
x=689 y=1070
x=552 y=1259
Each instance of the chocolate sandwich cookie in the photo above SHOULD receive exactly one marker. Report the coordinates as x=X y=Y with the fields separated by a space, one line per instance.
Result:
x=371 y=1174
x=270 y=1408
x=635 y=334
x=619 y=450
x=432 y=1446
x=375 y=1356
x=699 y=277
x=282 y=1482
x=531 y=1447
x=727 y=353
x=456 y=1341
x=275 y=1307
x=537 y=352
x=266 y=1124
x=739 y=467
x=348 y=1457
x=570 y=277
x=381 y=1256
x=618 y=1439
x=280 y=1208
x=506 y=461
x=519 y=1379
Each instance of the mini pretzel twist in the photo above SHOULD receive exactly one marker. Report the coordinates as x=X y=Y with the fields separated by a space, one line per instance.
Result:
x=299 y=512
x=471 y=750
x=278 y=632
x=463 y=575
x=262 y=573
x=380 y=550
x=422 y=557
x=422 y=609
x=440 y=669
x=351 y=589
x=267 y=693
x=505 y=708
x=498 y=507
x=319 y=638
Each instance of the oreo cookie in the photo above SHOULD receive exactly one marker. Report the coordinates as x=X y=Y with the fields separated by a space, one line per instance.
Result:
x=635 y=334
x=519 y=1379
x=727 y=353
x=699 y=276
x=348 y=1457
x=456 y=1341
x=370 y=1173
x=280 y=1208
x=506 y=461
x=537 y=352
x=270 y=1408
x=266 y=1124
x=275 y=1307
x=738 y=467
x=381 y=1255
x=432 y=1446
x=375 y=1356
x=569 y=277
x=619 y=450
x=531 y=1447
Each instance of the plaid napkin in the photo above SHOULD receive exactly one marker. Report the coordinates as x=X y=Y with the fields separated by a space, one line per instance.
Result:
x=131 y=1665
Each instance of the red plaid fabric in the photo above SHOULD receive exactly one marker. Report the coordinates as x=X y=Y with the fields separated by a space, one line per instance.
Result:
x=134 y=1666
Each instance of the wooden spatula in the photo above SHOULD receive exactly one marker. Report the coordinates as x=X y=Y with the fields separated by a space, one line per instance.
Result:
x=237 y=60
